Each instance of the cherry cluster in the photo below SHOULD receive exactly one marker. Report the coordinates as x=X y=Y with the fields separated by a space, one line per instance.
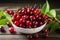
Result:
x=28 y=18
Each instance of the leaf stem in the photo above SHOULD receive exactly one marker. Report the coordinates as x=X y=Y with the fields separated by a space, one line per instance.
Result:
x=57 y=20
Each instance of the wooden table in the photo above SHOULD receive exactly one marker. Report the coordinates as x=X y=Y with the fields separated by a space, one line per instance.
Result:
x=18 y=35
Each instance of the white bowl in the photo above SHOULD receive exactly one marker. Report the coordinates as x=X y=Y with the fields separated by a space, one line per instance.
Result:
x=27 y=30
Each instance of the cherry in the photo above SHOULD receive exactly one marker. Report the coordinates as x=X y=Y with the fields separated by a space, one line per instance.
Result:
x=40 y=23
x=34 y=26
x=24 y=9
x=45 y=30
x=35 y=22
x=2 y=29
x=9 y=24
x=45 y=35
x=28 y=23
x=36 y=12
x=23 y=12
x=11 y=29
x=32 y=17
x=37 y=16
x=29 y=36
x=32 y=9
x=36 y=35
x=44 y=16
x=22 y=25
x=25 y=16
x=7 y=11
x=15 y=15
x=22 y=20
x=19 y=12
x=11 y=12
x=16 y=23
x=18 y=17
x=28 y=11
x=13 y=19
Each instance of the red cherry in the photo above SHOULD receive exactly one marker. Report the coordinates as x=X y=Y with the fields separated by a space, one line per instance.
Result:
x=44 y=16
x=1 y=28
x=37 y=16
x=32 y=17
x=18 y=17
x=25 y=16
x=32 y=9
x=22 y=20
x=13 y=19
x=23 y=12
x=29 y=36
x=36 y=12
x=15 y=15
x=28 y=23
x=24 y=8
x=19 y=12
x=45 y=35
x=9 y=24
x=22 y=25
x=35 y=22
x=45 y=30
x=36 y=35
x=11 y=29
x=34 y=26
x=16 y=23
x=11 y=12
x=7 y=11
x=28 y=11
x=40 y=23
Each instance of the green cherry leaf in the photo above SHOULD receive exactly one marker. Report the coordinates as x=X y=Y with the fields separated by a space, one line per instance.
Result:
x=58 y=17
x=45 y=8
x=8 y=17
x=54 y=26
x=51 y=13
x=1 y=13
x=3 y=21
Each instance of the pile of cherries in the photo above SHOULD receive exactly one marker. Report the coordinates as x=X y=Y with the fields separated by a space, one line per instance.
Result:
x=28 y=18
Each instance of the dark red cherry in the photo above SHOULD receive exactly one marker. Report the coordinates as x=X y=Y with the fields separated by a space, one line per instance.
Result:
x=18 y=17
x=7 y=11
x=45 y=30
x=36 y=35
x=35 y=22
x=36 y=12
x=32 y=17
x=11 y=29
x=45 y=35
x=11 y=12
x=32 y=9
x=16 y=23
x=22 y=20
x=44 y=16
x=13 y=19
x=9 y=24
x=34 y=26
x=29 y=36
x=28 y=23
